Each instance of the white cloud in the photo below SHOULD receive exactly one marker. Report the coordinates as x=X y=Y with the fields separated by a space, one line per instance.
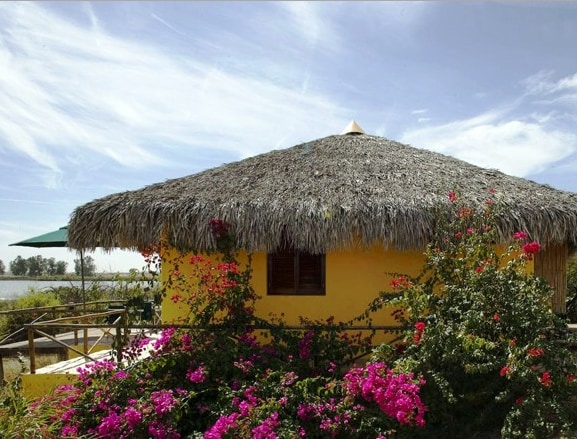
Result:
x=490 y=140
x=308 y=23
x=512 y=138
x=542 y=83
x=82 y=91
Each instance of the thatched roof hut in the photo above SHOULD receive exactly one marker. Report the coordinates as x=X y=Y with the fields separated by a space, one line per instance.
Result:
x=320 y=195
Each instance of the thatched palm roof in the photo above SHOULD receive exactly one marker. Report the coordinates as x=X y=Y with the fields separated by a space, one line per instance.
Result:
x=320 y=195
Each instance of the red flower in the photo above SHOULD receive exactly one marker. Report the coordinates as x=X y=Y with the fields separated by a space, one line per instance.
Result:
x=420 y=326
x=452 y=196
x=496 y=317
x=505 y=370
x=535 y=352
x=479 y=269
x=519 y=401
x=546 y=380
x=531 y=248
x=458 y=234
x=219 y=228
x=520 y=235
x=570 y=377
x=464 y=212
x=400 y=282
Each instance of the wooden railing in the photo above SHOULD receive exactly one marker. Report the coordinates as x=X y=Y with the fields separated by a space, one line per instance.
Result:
x=122 y=328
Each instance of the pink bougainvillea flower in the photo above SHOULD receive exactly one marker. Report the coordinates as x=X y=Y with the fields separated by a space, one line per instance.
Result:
x=520 y=235
x=452 y=196
x=504 y=371
x=198 y=375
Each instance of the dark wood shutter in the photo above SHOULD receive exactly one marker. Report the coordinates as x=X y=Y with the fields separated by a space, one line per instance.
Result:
x=311 y=274
x=281 y=273
x=294 y=273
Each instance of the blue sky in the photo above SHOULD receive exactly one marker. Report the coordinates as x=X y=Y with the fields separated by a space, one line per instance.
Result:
x=102 y=97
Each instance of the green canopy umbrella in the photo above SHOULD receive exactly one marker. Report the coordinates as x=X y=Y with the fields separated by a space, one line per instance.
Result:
x=58 y=238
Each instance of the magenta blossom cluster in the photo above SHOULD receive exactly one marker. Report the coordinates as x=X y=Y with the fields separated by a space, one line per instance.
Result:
x=331 y=415
x=197 y=375
x=222 y=425
x=305 y=345
x=397 y=395
x=267 y=428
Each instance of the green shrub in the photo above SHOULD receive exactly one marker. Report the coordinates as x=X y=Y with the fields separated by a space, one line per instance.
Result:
x=12 y=322
x=496 y=360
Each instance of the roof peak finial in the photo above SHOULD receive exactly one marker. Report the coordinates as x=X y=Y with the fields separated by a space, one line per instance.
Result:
x=353 y=128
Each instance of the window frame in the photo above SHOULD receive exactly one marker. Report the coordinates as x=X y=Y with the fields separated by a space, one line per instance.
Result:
x=296 y=289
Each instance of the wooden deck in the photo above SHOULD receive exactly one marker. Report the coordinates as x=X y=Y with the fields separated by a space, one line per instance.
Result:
x=52 y=373
x=48 y=351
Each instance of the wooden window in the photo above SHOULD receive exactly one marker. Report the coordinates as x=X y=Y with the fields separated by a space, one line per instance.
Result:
x=295 y=273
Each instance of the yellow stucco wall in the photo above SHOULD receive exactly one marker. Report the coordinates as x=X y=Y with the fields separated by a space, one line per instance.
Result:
x=35 y=386
x=353 y=278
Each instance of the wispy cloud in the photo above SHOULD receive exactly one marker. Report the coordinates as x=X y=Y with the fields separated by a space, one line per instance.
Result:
x=168 y=25
x=505 y=138
x=96 y=95
x=308 y=23
x=491 y=141
x=542 y=83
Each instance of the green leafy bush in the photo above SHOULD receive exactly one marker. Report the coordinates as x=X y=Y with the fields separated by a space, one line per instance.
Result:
x=12 y=322
x=496 y=360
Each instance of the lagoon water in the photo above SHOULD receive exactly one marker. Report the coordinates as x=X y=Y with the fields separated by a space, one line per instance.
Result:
x=10 y=289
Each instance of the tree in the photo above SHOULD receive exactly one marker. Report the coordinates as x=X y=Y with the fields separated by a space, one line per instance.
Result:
x=19 y=266
x=61 y=267
x=50 y=265
x=89 y=266
x=35 y=266
x=2 y=268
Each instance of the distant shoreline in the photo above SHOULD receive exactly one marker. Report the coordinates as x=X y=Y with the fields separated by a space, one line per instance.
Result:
x=67 y=277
